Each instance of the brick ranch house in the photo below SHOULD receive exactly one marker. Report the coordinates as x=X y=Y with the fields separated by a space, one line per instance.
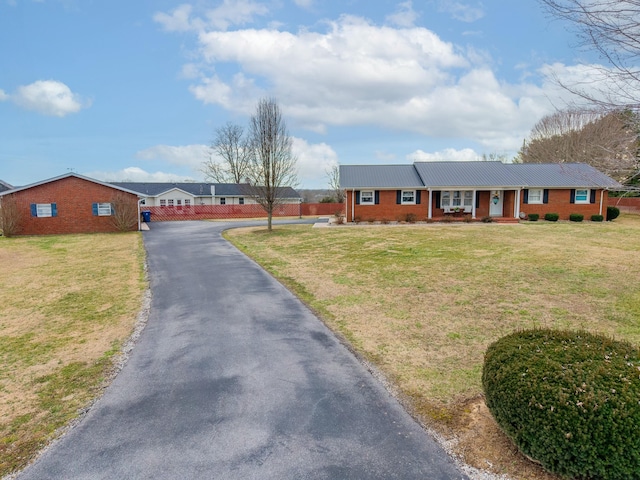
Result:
x=70 y=203
x=434 y=190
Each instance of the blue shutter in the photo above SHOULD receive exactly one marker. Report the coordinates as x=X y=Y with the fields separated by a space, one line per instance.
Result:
x=418 y=197
x=438 y=194
x=54 y=210
x=592 y=198
x=376 y=196
x=526 y=196
x=398 y=197
x=545 y=196
x=94 y=208
x=34 y=210
x=357 y=197
x=573 y=196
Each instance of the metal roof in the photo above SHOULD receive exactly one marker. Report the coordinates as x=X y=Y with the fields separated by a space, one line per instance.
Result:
x=466 y=174
x=66 y=175
x=379 y=176
x=4 y=186
x=562 y=175
x=475 y=175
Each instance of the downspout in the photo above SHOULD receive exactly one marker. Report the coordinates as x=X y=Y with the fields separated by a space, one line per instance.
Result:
x=353 y=202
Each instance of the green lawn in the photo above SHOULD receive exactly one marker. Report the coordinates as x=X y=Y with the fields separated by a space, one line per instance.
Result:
x=68 y=302
x=423 y=302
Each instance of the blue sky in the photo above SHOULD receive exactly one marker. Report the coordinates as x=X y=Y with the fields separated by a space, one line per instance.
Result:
x=134 y=90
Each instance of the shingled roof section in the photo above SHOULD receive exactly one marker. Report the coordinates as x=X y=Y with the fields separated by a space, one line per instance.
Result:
x=379 y=176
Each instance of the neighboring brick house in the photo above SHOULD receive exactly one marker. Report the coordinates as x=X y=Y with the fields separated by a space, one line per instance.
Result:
x=433 y=190
x=71 y=203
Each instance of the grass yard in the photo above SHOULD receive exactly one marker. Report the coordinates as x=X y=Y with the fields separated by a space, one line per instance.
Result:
x=67 y=304
x=422 y=303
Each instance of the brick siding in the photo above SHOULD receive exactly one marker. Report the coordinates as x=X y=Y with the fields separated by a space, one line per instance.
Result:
x=74 y=198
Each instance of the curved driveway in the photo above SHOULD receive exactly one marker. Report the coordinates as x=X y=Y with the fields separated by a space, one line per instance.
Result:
x=234 y=378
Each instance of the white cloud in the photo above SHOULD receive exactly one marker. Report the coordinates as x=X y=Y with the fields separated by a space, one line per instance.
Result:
x=462 y=11
x=3 y=96
x=446 y=155
x=405 y=16
x=304 y=3
x=136 y=174
x=185 y=155
x=314 y=160
x=228 y=13
x=49 y=97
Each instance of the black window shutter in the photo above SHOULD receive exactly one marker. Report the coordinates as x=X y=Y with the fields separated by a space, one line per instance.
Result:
x=477 y=199
x=418 y=192
x=573 y=196
x=592 y=198
x=357 y=197
x=545 y=196
x=34 y=210
x=438 y=199
x=376 y=196
x=526 y=196
x=398 y=197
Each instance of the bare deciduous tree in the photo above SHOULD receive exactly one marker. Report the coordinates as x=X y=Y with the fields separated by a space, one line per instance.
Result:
x=612 y=29
x=229 y=161
x=606 y=141
x=333 y=174
x=273 y=165
x=124 y=211
x=10 y=216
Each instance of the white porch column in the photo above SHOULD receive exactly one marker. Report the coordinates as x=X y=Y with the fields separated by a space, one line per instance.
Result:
x=430 y=210
x=473 y=205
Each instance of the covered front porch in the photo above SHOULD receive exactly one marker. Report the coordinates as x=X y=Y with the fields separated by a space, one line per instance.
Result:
x=495 y=203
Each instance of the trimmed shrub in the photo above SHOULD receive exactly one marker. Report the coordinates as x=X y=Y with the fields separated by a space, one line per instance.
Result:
x=597 y=218
x=487 y=219
x=411 y=218
x=568 y=400
x=612 y=213
x=576 y=217
x=533 y=217
x=551 y=217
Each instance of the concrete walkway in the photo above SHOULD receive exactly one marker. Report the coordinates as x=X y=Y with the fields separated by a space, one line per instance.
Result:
x=234 y=378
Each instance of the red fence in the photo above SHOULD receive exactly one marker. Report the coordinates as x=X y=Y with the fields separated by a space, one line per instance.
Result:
x=626 y=204
x=209 y=212
x=312 y=209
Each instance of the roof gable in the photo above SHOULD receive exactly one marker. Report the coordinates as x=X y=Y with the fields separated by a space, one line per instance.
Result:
x=68 y=175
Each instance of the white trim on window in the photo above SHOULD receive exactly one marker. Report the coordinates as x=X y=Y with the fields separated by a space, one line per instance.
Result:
x=408 y=197
x=44 y=210
x=163 y=202
x=582 y=196
x=104 y=209
x=536 y=195
x=367 y=197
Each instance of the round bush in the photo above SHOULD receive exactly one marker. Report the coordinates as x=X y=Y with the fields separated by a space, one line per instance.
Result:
x=533 y=217
x=551 y=217
x=570 y=400
x=612 y=213
x=597 y=218
x=576 y=217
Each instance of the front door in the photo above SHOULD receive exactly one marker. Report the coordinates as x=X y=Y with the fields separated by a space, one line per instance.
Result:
x=495 y=205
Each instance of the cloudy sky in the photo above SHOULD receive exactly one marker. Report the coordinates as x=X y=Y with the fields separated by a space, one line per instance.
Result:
x=134 y=90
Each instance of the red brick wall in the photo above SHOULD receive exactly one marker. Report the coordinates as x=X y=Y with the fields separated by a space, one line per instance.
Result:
x=626 y=204
x=311 y=209
x=74 y=198
x=559 y=202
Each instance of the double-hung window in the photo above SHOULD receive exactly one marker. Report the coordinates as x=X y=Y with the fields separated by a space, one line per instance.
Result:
x=187 y=202
x=456 y=199
x=103 y=209
x=241 y=201
x=408 y=197
x=535 y=195
x=223 y=201
x=445 y=199
x=582 y=196
x=367 y=197
x=163 y=203
x=43 y=210
x=171 y=202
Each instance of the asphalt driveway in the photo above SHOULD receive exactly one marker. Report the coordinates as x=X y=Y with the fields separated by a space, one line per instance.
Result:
x=234 y=378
